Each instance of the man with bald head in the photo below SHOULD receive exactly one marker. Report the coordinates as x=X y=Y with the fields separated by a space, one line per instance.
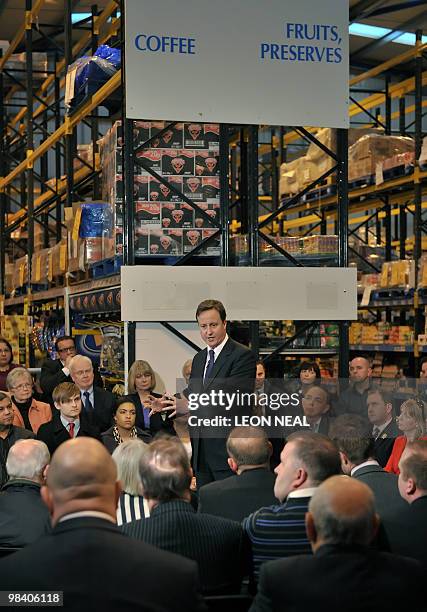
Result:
x=97 y=404
x=354 y=399
x=343 y=573
x=86 y=556
x=252 y=486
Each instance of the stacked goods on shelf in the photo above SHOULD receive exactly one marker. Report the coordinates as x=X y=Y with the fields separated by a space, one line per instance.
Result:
x=373 y=153
x=187 y=157
x=297 y=174
x=399 y=273
x=380 y=333
x=15 y=329
x=76 y=245
x=8 y=278
x=20 y=273
x=305 y=247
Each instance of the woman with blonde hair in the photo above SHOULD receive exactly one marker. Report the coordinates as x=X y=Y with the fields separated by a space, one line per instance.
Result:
x=27 y=411
x=127 y=457
x=411 y=423
x=141 y=385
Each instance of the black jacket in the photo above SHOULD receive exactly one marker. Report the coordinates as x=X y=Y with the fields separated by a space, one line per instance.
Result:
x=341 y=578
x=236 y=497
x=52 y=375
x=101 y=417
x=54 y=433
x=411 y=539
x=384 y=444
x=234 y=371
x=158 y=422
x=218 y=545
x=108 y=440
x=99 y=569
x=23 y=515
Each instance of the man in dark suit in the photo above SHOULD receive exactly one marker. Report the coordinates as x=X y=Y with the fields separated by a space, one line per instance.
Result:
x=97 y=404
x=68 y=421
x=413 y=489
x=217 y=544
x=307 y=459
x=344 y=573
x=351 y=434
x=23 y=515
x=86 y=556
x=316 y=406
x=224 y=366
x=251 y=487
x=384 y=429
x=57 y=371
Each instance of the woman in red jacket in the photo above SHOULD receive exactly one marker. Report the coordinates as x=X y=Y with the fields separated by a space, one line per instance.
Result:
x=411 y=423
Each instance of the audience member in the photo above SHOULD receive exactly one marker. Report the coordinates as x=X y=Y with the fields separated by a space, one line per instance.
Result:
x=352 y=435
x=413 y=489
x=132 y=506
x=9 y=433
x=23 y=515
x=86 y=556
x=97 y=404
x=217 y=544
x=124 y=428
x=6 y=362
x=27 y=411
x=252 y=485
x=56 y=371
x=343 y=573
x=141 y=384
x=354 y=398
x=411 y=422
x=308 y=375
x=186 y=370
x=316 y=406
x=68 y=421
x=181 y=421
x=384 y=430
x=307 y=459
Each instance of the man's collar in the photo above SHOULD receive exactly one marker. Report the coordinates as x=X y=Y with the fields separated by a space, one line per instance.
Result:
x=219 y=348
x=66 y=422
x=307 y=492
x=90 y=391
x=364 y=464
x=382 y=427
x=87 y=513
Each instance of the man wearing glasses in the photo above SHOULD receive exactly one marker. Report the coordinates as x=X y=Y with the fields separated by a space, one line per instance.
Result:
x=55 y=372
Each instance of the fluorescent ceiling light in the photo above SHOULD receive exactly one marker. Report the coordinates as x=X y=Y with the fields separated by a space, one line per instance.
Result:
x=368 y=31
x=76 y=17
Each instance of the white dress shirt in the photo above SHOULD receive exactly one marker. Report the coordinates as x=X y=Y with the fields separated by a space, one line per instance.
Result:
x=216 y=351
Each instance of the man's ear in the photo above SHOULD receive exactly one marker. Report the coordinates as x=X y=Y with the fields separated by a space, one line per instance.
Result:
x=410 y=487
x=232 y=464
x=345 y=463
x=46 y=496
x=300 y=478
x=310 y=528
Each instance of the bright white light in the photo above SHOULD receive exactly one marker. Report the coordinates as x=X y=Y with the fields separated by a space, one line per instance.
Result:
x=369 y=31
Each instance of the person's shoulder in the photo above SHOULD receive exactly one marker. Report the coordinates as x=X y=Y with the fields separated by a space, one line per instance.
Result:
x=397 y=564
x=277 y=567
x=20 y=433
x=41 y=405
x=50 y=364
x=264 y=514
x=236 y=346
x=219 y=485
x=219 y=522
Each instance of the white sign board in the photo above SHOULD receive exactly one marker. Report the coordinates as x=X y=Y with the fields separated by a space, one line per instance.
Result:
x=172 y=293
x=277 y=62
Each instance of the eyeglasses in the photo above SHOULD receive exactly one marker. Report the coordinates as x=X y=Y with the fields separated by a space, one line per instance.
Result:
x=67 y=349
x=23 y=386
x=4 y=350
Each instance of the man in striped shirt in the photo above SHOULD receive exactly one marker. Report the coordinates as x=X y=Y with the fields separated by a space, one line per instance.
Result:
x=278 y=531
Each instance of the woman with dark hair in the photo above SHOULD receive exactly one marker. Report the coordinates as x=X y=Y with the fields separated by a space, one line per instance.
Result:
x=124 y=426
x=308 y=374
x=6 y=362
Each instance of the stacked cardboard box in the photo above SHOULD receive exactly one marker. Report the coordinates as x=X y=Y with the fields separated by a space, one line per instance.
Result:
x=373 y=149
x=399 y=273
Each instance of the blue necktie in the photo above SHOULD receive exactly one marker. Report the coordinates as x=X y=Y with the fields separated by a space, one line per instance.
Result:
x=88 y=403
x=211 y=364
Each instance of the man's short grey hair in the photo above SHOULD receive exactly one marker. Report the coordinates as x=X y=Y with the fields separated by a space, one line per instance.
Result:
x=334 y=528
x=79 y=358
x=27 y=459
x=248 y=446
x=127 y=457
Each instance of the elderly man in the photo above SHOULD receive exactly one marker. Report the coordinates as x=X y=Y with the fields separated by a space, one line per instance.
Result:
x=278 y=531
x=118 y=573
x=217 y=544
x=252 y=485
x=316 y=406
x=23 y=515
x=98 y=404
x=344 y=573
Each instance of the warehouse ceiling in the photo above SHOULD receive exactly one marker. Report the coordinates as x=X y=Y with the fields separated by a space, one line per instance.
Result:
x=396 y=15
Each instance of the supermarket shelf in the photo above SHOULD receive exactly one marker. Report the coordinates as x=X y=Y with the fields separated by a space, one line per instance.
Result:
x=301 y=351
x=100 y=283
x=384 y=348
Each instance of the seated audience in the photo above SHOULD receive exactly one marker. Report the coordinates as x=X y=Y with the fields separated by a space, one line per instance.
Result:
x=307 y=459
x=86 y=556
x=97 y=404
x=124 y=428
x=68 y=421
x=132 y=506
x=354 y=398
x=308 y=375
x=316 y=406
x=217 y=544
x=252 y=485
x=384 y=430
x=411 y=422
x=344 y=573
x=23 y=515
x=9 y=433
x=6 y=362
x=57 y=371
x=141 y=383
x=413 y=489
x=352 y=435
x=28 y=412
